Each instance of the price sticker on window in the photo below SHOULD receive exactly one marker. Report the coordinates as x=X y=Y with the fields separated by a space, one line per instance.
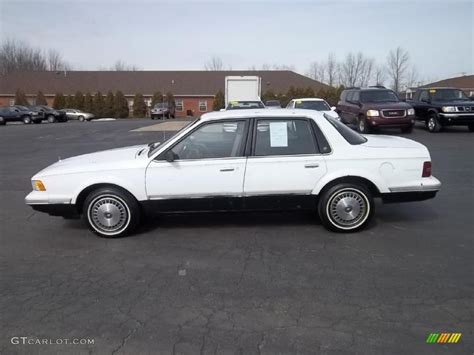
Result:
x=278 y=134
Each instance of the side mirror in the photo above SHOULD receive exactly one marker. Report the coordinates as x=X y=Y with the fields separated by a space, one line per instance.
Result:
x=170 y=156
x=333 y=108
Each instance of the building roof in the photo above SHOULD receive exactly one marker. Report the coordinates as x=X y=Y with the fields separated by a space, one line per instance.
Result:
x=146 y=82
x=460 y=82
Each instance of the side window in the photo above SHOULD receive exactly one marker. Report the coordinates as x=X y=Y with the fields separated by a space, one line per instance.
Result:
x=356 y=96
x=349 y=96
x=424 y=96
x=284 y=137
x=213 y=140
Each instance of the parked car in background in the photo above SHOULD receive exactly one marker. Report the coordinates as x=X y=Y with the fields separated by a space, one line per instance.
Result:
x=74 y=114
x=240 y=160
x=373 y=108
x=272 y=104
x=243 y=105
x=50 y=114
x=162 y=110
x=440 y=107
x=313 y=104
x=19 y=113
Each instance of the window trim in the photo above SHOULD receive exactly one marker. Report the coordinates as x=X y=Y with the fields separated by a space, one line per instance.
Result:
x=176 y=105
x=254 y=137
x=205 y=104
x=241 y=154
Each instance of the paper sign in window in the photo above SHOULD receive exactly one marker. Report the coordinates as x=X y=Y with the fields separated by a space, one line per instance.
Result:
x=278 y=134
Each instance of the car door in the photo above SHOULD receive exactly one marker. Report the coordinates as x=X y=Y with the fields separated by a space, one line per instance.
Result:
x=422 y=104
x=204 y=171
x=285 y=159
x=354 y=107
x=344 y=106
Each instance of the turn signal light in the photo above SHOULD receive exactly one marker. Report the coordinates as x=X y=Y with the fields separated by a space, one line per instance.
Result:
x=426 y=169
x=38 y=185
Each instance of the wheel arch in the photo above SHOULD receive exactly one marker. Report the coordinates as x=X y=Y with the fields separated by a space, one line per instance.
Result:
x=375 y=188
x=81 y=197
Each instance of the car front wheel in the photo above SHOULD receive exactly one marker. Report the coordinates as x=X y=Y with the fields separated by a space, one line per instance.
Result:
x=433 y=124
x=27 y=120
x=81 y=118
x=111 y=212
x=51 y=119
x=363 y=125
x=346 y=207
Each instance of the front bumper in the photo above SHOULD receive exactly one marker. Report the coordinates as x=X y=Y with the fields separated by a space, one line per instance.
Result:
x=391 y=122
x=453 y=119
x=426 y=189
x=53 y=205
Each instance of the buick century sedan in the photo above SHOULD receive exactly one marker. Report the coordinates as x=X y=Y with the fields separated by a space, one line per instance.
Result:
x=240 y=160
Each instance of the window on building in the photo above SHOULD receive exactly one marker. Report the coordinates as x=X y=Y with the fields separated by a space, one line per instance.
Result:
x=179 y=105
x=12 y=102
x=202 y=105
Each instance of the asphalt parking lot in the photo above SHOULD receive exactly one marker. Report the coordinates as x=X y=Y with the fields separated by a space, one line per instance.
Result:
x=275 y=283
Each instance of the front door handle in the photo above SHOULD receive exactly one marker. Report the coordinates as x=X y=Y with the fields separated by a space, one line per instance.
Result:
x=311 y=166
x=227 y=169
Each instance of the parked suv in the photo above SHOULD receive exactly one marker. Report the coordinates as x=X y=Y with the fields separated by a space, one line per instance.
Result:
x=439 y=107
x=162 y=110
x=19 y=113
x=375 y=107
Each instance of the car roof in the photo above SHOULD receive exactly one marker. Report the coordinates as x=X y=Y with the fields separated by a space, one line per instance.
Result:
x=261 y=112
x=309 y=99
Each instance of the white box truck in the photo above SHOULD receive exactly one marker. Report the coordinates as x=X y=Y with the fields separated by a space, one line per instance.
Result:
x=242 y=88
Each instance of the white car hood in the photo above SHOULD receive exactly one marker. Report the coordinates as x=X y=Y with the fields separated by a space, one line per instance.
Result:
x=331 y=113
x=382 y=141
x=107 y=159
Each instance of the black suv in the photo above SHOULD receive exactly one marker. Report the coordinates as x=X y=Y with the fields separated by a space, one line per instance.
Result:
x=375 y=107
x=50 y=114
x=19 y=113
x=439 y=107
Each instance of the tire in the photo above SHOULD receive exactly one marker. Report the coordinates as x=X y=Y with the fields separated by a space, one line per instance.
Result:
x=51 y=119
x=111 y=212
x=408 y=129
x=471 y=127
x=339 y=203
x=26 y=119
x=433 y=124
x=363 y=126
x=81 y=118
x=3 y=122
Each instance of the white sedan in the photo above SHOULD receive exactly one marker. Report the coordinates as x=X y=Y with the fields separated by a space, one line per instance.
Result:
x=313 y=103
x=240 y=160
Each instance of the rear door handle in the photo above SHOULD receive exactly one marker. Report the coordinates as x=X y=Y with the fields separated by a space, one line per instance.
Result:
x=311 y=166
x=227 y=169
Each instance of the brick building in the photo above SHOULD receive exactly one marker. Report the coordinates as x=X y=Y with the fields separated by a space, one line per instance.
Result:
x=194 y=91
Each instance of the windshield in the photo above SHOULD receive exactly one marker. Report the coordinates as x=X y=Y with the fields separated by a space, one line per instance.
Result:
x=273 y=103
x=313 y=105
x=378 y=96
x=239 y=105
x=155 y=146
x=351 y=136
x=448 y=95
x=161 y=105
x=22 y=108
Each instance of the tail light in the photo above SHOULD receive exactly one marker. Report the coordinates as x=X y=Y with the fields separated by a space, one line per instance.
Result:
x=426 y=169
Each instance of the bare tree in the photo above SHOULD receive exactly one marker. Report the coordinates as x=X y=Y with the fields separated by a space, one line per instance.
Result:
x=379 y=75
x=413 y=78
x=214 y=64
x=366 y=72
x=317 y=71
x=355 y=70
x=332 y=70
x=397 y=65
x=55 y=61
x=120 y=65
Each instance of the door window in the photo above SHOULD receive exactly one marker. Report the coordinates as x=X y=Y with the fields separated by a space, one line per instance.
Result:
x=424 y=96
x=213 y=140
x=284 y=137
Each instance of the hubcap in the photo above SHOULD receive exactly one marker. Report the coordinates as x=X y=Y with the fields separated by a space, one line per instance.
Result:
x=348 y=208
x=431 y=124
x=361 y=125
x=108 y=214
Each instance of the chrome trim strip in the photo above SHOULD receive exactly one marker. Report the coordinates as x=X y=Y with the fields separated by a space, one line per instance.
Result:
x=457 y=114
x=404 y=113
x=415 y=188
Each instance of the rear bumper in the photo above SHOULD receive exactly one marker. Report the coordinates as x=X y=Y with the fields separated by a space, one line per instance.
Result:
x=427 y=189
x=461 y=119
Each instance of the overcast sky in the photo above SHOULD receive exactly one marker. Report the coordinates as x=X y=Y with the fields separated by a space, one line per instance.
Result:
x=185 y=34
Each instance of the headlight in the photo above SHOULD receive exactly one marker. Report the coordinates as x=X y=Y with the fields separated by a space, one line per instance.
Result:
x=38 y=185
x=448 y=109
x=411 y=112
x=372 y=113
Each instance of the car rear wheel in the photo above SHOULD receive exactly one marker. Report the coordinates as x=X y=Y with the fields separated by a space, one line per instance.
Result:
x=433 y=124
x=471 y=127
x=346 y=207
x=81 y=118
x=363 y=125
x=27 y=120
x=111 y=212
x=2 y=121
x=51 y=119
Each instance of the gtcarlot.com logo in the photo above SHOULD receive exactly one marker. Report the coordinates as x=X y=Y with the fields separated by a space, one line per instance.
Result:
x=51 y=341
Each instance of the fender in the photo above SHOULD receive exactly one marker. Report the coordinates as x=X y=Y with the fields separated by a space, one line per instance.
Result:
x=374 y=178
x=136 y=188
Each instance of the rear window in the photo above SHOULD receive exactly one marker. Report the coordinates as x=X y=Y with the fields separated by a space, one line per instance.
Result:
x=351 y=136
x=313 y=105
